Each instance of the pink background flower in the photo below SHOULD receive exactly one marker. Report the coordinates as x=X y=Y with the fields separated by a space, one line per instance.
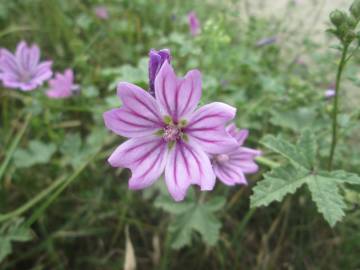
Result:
x=23 y=69
x=62 y=86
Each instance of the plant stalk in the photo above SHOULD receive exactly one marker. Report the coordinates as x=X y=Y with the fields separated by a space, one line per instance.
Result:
x=335 y=110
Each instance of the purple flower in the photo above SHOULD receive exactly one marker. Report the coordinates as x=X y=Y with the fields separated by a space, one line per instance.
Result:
x=101 y=12
x=231 y=167
x=62 y=86
x=167 y=133
x=329 y=93
x=156 y=59
x=23 y=70
x=194 y=23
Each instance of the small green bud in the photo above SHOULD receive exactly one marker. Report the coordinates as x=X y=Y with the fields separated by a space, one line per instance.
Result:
x=343 y=29
x=352 y=22
x=337 y=17
x=355 y=9
x=350 y=36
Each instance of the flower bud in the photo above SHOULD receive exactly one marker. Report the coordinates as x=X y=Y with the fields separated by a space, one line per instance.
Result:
x=337 y=17
x=352 y=22
x=156 y=59
x=350 y=36
x=355 y=9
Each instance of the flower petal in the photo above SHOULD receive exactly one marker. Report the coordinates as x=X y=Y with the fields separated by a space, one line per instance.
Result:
x=177 y=96
x=129 y=124
x=243 y=158
x=187 y=164
x=229 y=174
x=43 y=72
x=240 y=135
x=145 y=156
x=207 y=128
x=140 y=103
x=27 y=57
x=8 y=62
x=165 y=88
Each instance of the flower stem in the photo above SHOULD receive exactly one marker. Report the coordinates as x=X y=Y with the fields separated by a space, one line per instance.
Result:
x=267 y=162
x=14 y=145
x=336 y=105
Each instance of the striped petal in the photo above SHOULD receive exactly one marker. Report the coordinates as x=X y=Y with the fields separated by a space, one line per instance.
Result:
x=240 y=162
x=177 y=96
x=240 y=135
x=43 y=72
x=207 y=128
x=8 y=63
x=140 y=115
x=128 y=123
x=145 y=157
x=187 y=164
x=229 y=174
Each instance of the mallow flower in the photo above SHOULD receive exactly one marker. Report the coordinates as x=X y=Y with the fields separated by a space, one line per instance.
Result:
x=194 y=23
x=156 y=59
x=101 y=12
x=62 y=86
x=231 y=167
x=23 y=69
x=167 y=134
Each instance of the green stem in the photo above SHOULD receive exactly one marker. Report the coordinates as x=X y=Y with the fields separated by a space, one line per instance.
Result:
x=22 y=209
x=56 y=194
x=336 y=105
x=267 y=162
x=14 y=145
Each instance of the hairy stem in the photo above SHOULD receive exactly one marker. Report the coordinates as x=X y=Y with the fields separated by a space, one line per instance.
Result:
x=335 y=110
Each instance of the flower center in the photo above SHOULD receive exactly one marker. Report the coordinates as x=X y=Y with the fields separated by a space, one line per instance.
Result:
x=222 y=158
x=25 y=76
x=172 y=133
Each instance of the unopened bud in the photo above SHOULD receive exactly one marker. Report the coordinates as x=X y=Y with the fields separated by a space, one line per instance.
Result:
x=350 y=36
x=337 y=17
x=355 y=9
x=352 y=22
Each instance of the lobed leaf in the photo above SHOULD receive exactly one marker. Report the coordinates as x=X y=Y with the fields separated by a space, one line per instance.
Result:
x=192 y=216
x=277 y=184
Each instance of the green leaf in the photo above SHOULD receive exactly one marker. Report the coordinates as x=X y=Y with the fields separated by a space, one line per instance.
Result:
x=192 y=216
x=37 y=153
x=11 y=232
x=300 y=170
x=289 y=151
x=296 y=119
x=307 y=145
x=329 y=201
x=278 y=183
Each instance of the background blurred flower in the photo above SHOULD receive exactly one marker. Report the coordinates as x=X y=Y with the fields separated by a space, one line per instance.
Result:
x=167 y=134
x=23 y=70
x=62 y=86
x=156 y=59
x=330 y=91
x=194 y=23
x=232 y=166
x=102 y=12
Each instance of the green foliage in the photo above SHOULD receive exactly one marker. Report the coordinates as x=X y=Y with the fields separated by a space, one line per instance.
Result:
x=79 y=206
x=36 y=153
x=301 y=168
x=191 y=216
x=12 y=231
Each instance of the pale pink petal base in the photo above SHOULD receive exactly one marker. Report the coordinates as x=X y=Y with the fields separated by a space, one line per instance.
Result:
x=187 y=165
x=145 y=156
